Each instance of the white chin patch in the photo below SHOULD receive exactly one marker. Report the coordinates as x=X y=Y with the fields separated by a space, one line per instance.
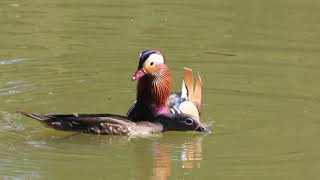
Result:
x=157 y=58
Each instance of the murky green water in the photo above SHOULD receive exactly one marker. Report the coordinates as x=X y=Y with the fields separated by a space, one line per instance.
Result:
x=259 y=62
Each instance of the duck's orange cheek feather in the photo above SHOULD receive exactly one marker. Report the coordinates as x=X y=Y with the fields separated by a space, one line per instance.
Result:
x=161 y=90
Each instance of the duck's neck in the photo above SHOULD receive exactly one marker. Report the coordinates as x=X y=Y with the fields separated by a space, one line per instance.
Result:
x=154 y=90
x=161 y=110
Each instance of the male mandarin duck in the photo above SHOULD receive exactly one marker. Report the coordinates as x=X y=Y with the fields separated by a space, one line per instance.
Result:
x=154 y=88
x=108 y=124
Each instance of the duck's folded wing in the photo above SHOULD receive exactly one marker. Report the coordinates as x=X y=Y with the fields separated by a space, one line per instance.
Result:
x=88 y=123
x=189 y=100
x=144 y=127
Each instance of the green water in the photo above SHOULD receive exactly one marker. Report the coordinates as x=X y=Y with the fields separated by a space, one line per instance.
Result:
x=259 y=61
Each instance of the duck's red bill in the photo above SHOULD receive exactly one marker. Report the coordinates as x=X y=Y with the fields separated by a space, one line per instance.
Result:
x=139 y=74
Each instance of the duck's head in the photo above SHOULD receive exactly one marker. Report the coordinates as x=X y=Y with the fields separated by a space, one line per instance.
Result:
x=180 y=122
x=148 y=63
x=154 y=79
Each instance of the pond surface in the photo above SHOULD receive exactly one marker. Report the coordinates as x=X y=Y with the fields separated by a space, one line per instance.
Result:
x=259 y=62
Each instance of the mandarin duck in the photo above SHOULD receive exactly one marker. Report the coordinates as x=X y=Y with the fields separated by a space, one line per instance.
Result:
x=154 y=88
x=108 y=124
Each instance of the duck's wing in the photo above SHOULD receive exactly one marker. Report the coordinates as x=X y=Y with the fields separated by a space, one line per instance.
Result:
x=89 y=123
x=174 y=99
x=144 y=127
x=194 y=92
x=189 y=100
x=188 y=83
x=197 y=93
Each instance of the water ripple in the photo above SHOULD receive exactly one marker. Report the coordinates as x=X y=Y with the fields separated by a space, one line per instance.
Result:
x=13 y=87
x=10 y=122
x=13 y=61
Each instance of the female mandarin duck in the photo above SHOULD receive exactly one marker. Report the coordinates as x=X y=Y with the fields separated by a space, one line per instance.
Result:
x=108 y=124
x=154 y=88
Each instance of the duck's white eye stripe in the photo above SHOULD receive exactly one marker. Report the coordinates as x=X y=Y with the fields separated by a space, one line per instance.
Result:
x=140 y=55
x=156 y=58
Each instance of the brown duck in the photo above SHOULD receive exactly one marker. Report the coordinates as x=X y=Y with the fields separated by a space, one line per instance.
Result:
x=108 y=124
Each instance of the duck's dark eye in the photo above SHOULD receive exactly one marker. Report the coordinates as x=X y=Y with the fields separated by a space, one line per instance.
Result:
x=152 y=63
x=189 y=121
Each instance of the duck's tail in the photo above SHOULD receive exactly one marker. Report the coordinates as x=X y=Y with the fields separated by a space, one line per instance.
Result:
x=37 y=116
x=56 y=121
x=87 y=123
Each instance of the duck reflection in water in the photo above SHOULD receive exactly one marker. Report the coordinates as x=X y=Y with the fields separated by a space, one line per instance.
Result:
x=168 y=151
x=191 y=154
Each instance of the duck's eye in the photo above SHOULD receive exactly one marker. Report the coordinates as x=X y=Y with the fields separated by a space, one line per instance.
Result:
x=189 y=121
x=152 y=63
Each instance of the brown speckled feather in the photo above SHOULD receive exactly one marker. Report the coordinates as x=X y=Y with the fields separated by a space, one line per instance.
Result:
x=108 y=124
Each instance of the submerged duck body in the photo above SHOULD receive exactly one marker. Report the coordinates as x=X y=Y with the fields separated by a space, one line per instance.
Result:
x=109 y=124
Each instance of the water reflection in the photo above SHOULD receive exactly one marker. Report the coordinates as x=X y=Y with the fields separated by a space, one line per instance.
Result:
x=162 y=162
x=187 y=150
x=191 y=155
x=156 y=157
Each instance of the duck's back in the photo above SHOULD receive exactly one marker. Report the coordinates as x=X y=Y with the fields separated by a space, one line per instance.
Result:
x=105 y=124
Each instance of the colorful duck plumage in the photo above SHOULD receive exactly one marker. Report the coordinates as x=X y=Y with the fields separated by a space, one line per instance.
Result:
x=153 y=89
x=188 y=101
x=153 y=111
